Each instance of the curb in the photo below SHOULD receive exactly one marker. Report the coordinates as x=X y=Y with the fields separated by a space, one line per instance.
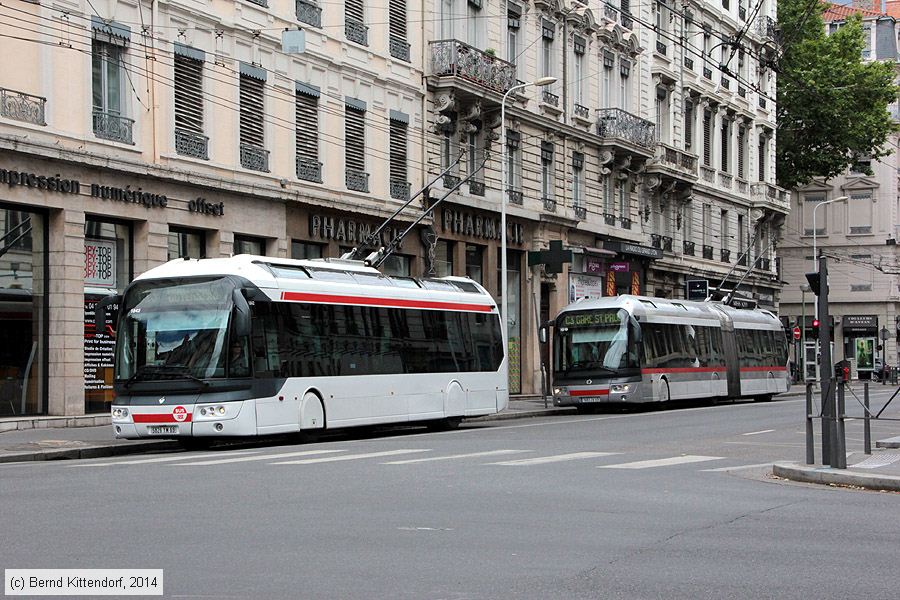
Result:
x=827 y=475
x=89 y=451
x=524 y=414
x=893 y=442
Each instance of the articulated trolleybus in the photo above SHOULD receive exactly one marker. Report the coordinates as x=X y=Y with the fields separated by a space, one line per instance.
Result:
x=252 y=345
x=635 y=349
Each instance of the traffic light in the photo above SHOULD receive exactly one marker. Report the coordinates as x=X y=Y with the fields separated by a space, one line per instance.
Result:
x=815 y=328
x=814 y=280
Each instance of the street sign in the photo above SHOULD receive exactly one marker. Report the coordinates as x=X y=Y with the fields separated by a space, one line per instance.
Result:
x=796 y=333
x=697 y=289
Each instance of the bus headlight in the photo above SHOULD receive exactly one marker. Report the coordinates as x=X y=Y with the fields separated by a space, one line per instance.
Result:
x=557 y=391
x=217 y=411
x=119 y=413
x=619 y=388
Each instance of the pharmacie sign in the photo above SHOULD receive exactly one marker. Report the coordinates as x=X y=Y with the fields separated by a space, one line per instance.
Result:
x=126 y=195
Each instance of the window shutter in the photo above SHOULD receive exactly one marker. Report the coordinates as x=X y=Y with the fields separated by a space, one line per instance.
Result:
x=762 y=159
x=307 y=135
x=609 y=59
x=707 y=138
x=188 y=94
x=578 y=160
x=398 y=152
x=396 y=18
x=742 y=139
x=688 y=125
x=252 y=106
x=726 y=137
x=548 y=30
x=547 y=151
x=355 y=138
x=354 y=9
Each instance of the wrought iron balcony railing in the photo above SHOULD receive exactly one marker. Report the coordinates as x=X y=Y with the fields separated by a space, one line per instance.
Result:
x=764 y=193
x=356 y=181
x=582 y=111
x=580 y=212
x=548 y=97
x=765 y=264
x=726 y=83
x=356 y=32
x=661 y=47
x=656 y=240
x=676 y=158
x=399 y=47
x=453 y=58
x=309 y=13
x=707 y=252
x=725 y=255
x=762 y=102
x=609 y=218
x=616 y=123
x=476 y=188
x=626 y=20
x=707 y=72
x=309 y=170
x=450 y=181
x=22 y=107
x=399 y=189
x=262 y=3
x=742 y=13
x=113 y=127
x=742 y=260
x=742 y=91
x=254 y=158
x=549 y=204
x=689 y=63
x=688 y=247
x=666 y=243
x=765 y=27
x=190 y=143
x=515 y=196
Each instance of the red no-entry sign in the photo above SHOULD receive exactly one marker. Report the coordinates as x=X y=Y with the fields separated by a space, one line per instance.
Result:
x=796 y=333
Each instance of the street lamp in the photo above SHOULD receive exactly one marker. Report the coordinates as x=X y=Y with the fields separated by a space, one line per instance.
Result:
x=815 y=208
x=504 y=312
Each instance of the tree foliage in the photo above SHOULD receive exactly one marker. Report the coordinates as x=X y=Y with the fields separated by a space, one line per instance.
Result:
x=832 y=105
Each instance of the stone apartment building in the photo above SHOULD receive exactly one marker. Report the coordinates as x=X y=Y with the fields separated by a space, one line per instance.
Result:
x=131 y=133
x=857 y=234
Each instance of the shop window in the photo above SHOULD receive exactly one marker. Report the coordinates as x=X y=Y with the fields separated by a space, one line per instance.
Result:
x=107 y=270
x=475 y=263
x=397 y=265
x=244 y=244
x=186 y=243
x=443 y=258
x=23 y=327
x=305 y=250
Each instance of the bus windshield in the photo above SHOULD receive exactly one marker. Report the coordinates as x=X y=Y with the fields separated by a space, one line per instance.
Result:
x=596 y=340
x=174 y=330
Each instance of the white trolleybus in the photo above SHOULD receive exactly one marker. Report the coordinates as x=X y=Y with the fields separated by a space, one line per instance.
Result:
x=634 y=349
x=251 y=345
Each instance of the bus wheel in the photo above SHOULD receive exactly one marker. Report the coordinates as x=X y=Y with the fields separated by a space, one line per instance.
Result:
x=586 y=409
x=195 y=443
x=445 y=424
x=763 y=398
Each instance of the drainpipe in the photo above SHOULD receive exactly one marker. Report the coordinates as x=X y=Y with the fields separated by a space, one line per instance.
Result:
x=154 y=18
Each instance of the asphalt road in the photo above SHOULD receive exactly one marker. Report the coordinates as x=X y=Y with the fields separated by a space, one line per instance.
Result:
x=655 y=504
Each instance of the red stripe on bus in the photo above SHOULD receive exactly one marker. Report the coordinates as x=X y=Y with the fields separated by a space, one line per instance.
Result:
x=684 y=370
x=159 y=418
x=588 y=392
x=763 y=369
x=392 y=302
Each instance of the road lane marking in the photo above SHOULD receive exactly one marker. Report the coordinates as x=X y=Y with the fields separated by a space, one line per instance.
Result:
x=310 y=461
x=454 y=456
x=260 y=457
x=662 y=462
x=738 y=468
x=759 y=432
x=162 y=459
x=542 y=460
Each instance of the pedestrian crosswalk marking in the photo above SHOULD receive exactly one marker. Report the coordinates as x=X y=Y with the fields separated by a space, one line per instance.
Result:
x=310 y=461
x=454 y=456
x=161 y=459
x=541 y=460
x=662 y=462
x=223 y=461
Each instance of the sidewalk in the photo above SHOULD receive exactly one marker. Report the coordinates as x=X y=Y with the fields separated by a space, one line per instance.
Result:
x=52 y=439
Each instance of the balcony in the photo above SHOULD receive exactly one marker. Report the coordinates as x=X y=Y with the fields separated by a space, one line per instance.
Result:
x=637 y=133
x=262 y=3
x=742 y=260
x=742 y=186
x=548 y=97
x=762 y=102
x=626 y=223
x=399 y=48
x=356 y=181
x=309 y=13
x=707 y=72
x=770 y=197
x=707 y=252
x=254 y=158
x=726 y=83
x=687 y=248
x=190 y=143
x=610 y=13
x=726 y=181
x=22 y=107
x=450 y=181
x=674 y=162
x=725 y=255
x=549 y=204
x=580 y=212
x=742 y=13
x=689 y=63
x=515 y=197
x=309 y=170
x=113 y=127
x=765 y=27
x=453 y=58
x=742 y=91
x=660 y=47
x=399 y=189
x=476 y=188
x=765 y=264
x=707 y=174
x=609 y=218
x=356 y=32
x=656 y=240
x=666 y=243
x=582 y=112
x=626 y=20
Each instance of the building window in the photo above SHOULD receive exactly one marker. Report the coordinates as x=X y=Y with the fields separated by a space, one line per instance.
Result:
x=606 y=88
x=742 y=152
x=608 y=195
x=188 y=83
x=449 y=156
x=398 y=46
x=513 y=25
x=245 y=244
x=547 y=170
x=624 y=84
x=859 y=213
x=186 y=243
x=761 y=158
x=688 y=223
x=741 y=235
x=726 y=138
x=577 y=179
x=474 y=23
x=624 y=204
x=399 y=183
x=707 y=138
x=578 y=83
x=254 y=155
x=662 y=115
x=110 y=120
x=548 y=33
x=305 y=250
x=689 y=125
x=475 y=160
x=514 y=166
x=355 y=22
x=357 y=179
x=475 y=263
x=725 y=230
x=306 y=135
x=707 y=224
x=443 y=258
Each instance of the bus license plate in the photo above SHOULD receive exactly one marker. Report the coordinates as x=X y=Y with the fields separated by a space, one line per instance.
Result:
x=162 y=429
x=588 y=399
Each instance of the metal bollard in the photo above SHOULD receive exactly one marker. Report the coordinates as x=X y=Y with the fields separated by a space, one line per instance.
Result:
x=810 y=440
x=867 y=422
x=839 y=448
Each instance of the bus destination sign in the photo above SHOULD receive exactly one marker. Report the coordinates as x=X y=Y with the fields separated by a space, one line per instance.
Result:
x=592 y=319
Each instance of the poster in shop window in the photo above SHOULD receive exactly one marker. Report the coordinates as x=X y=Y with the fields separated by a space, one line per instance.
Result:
x=865 y=353
x=100 y=263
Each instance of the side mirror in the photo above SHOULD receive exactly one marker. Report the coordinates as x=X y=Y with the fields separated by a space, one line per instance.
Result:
x=100 y=312
x=241 y=313
x=636 y=328
x=542 y=334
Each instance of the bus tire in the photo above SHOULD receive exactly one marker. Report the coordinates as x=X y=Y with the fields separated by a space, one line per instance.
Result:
x=763 y=398
x=194 y=443
x=447 y=424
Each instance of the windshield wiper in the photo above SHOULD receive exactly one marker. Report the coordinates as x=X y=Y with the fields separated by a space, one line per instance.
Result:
x=591 y=364
x=150 y=370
